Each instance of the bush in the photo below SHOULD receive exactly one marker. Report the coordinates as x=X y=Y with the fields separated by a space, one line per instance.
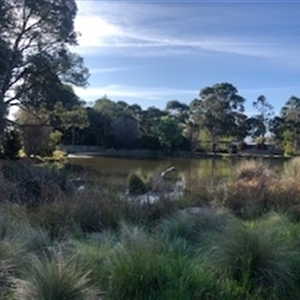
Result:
x=252 y=170
x=136 y=185
x=33 y=185
x=242 y=146
x=12 y=144
x=256 y=258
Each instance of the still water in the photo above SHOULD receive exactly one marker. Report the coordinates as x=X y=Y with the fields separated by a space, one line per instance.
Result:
x=189 y=169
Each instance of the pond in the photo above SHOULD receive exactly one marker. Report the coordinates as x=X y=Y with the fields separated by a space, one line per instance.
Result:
x=188 y=169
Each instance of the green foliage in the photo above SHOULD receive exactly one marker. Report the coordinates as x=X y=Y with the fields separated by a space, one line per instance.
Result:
x=261 y=122
x=55 y=139
x=35 y=131
x=75 y=118
x=169 y=133
x=220 y=111
x=35 y=47
x=95 y=240
x=12 y=144
x=126 y=130
x=136 y=184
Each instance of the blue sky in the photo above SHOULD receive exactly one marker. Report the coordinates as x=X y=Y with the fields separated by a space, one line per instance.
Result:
x=150 y=52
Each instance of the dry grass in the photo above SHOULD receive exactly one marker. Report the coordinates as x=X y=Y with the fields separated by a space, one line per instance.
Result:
x=255 y=190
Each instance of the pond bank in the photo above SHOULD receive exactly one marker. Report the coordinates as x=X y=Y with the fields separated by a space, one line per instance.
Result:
x=146 y=154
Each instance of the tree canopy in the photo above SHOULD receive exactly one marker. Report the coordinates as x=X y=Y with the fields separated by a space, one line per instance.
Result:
x=36 y=63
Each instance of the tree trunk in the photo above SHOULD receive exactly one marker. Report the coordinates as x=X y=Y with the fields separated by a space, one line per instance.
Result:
x=2 y=114
x=73 y=135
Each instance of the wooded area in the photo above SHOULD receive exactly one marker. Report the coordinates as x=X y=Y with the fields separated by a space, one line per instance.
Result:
x=38 y=73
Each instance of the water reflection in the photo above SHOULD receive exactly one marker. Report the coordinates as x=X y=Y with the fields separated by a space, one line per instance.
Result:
x=188 y=169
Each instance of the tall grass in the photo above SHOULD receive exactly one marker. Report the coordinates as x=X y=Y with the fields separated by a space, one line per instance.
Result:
x=256 y=258
x=188 y=229
x=145 y=271
x=52 y=278
x=235 y=238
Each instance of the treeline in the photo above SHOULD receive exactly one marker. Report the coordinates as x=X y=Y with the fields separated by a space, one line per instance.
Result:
x=206 y=124
x=38 y=71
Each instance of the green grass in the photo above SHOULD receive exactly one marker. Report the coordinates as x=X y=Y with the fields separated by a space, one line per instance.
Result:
x=55 y=278
x=243 y=244
x=256 y=257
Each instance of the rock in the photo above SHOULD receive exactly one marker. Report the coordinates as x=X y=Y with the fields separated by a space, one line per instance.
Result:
x=194 y=211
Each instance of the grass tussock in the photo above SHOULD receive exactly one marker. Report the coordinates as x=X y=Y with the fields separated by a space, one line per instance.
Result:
x=256 y=258
x=52 y=278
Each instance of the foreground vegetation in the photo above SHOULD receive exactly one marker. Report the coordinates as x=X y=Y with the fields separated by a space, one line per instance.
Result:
x=235 y=238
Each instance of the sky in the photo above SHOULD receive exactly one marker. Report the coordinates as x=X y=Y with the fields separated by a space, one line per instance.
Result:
x=151 y=52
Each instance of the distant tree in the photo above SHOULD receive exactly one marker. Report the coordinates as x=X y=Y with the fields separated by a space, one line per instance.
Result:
x=105 y=112
x=169 y=133
x=218 y=110
x=174 y=106
x=260 y=123
x=73 y=119
x=290 y=122
x=191 y=133
x=126 y=130
x=277 y=129
x=148 y=120
x=178 y=109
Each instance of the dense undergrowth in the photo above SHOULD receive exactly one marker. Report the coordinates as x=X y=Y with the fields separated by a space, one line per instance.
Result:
x=235 y=238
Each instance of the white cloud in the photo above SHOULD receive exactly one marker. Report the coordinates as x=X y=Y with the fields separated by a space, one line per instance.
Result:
x=132 y=92
x=95 y=71
x=113 y=32
x=94 y=30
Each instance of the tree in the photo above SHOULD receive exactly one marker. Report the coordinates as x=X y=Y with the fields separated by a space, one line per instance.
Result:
x=191 y=133
x=105 y=111
x=277 y=129
x=149 y=119
x=178 y=109
x=260 y=123
x=34 y=39
x=290 y=121
x=169 y=133
x=219 y=110
x=73 y=119
x=126 y=130
x=35 y=131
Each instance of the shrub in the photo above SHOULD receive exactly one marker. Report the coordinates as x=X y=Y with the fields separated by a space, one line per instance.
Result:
x=136 y=185
x=33 y=184
x=292 y=168
x=12 y=144
x=252 y=170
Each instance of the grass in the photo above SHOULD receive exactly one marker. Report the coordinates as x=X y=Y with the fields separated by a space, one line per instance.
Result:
x=256 y=258
x=55 y=278
x=235 y=238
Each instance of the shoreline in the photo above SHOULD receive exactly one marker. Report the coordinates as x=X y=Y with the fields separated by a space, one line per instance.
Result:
x=146 y=154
